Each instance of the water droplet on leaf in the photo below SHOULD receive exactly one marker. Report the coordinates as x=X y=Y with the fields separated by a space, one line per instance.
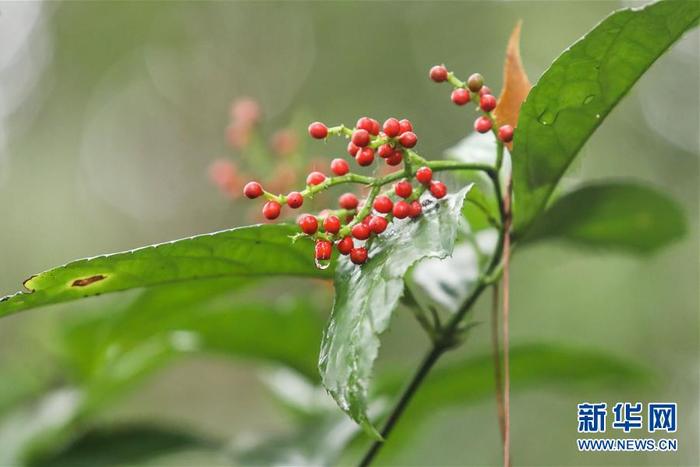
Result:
x=547 y=117
x=588 y=99
x=322 y=263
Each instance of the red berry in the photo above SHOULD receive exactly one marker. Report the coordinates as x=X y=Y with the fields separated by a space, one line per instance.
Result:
x=487 y=102
x=383 y=204
x=360 y=231
x=348 y=201
x=375 y=127
x=484 y=90
x=353 y=148
x=475 y=82
x=360 y=137
x=482 y=124
x=408 y=139
x=367 y=219
x=365 y=157
x=401 y=209
x=378 y=224
x=405 y=125
x=438 y=189
x=331 y=224
x=385 y=150
x=271 y=210
x=308 y=224
x=505 y=133
x=318 y=130
x=403 y=188
x=415 y=209
x=252 y=190
x=345 y=245
x=358 y=255
x=392 y=127
x=364 y=123
x=315 y=178
x=460 y=96
x=438 y=73
x=323 y=249
x=340 y=166
x=395 y=158
x=424 y=175
x=295 y=199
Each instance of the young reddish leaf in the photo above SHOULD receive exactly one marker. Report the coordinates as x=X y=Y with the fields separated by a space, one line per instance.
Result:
x=516 y=84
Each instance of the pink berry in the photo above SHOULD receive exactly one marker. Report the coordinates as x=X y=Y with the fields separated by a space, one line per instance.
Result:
x=358 y=255
x=424 y=175
x=345 y=245
x=271 y=210
x=460 y=96
x=505 y=133
x=403 y=188
x=484 y=90
x=438 y=73
x=376 y=128
x=318 y=130
x=360 y=137
x=331 y=224
x=487 y=102
x=378 y=224
x=438 y=189
x=408 y=139
x=323 y=249
x=348 y=201
x=395 y=159
x=295 y=199
x=308 y=224
x=361 y=231
x=315 y=178
x=383 y=204
x=401 y=209
x=340 y=167
x=392 y=127
x=352 y=148
x=482 y=124
x=364 y=123
x=405 y=125
x=385 y=150
x=365 y=157
x=252 y=190
x=415 y=209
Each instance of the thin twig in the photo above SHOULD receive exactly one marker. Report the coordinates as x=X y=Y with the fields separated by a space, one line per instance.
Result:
x=496 y=353
x=506 y=337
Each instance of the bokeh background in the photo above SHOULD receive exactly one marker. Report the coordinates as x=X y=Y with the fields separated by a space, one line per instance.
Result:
x=112 y=113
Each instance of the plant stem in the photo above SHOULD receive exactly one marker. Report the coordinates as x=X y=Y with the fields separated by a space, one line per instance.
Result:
x=506 y=311
x=446 y=337
x=496 y=353
x=428 y=362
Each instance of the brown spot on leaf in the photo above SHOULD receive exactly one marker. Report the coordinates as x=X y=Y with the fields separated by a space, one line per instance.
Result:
x=87 y=280
x=516 y=84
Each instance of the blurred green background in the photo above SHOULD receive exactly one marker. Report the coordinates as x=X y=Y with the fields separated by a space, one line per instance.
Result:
x=111 y=114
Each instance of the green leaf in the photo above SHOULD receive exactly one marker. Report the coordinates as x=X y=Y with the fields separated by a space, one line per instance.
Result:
x=260 y=250
x=127 y=445
x=623 y=216
x=578 y=91
x=366 y=296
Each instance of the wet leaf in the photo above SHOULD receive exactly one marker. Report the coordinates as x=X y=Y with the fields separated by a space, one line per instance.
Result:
x=254 y=251
x=581 y=87
x=516 y=84
x=366 y=296
x=622 y=216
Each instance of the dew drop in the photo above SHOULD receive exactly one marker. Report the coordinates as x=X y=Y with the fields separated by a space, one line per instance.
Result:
x=597 y=115
x=322 y=263
x=547 y=117
x=588 y=99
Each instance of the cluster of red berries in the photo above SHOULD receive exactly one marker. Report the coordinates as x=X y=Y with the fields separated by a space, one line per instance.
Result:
x=472 y=90
x=369 y=138
x=353 y=224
